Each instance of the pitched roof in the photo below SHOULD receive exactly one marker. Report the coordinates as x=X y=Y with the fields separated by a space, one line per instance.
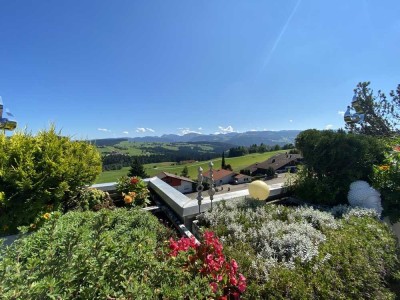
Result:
x=166 y=174
x=219 y=174
x=276 y=162
x=238 y=176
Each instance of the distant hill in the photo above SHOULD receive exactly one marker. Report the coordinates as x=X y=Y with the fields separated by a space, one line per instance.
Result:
x=248 y=138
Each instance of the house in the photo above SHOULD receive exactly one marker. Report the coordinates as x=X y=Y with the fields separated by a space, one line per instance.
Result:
x=279 y=163
x=182 y=184
x=241 y=178
x=220 y=176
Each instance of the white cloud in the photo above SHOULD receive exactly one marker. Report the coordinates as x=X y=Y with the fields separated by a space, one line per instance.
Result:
x=184 y=131
x=253 y=129
x=329 y=126
x=104 y=129
x=200 y=128
x=143 y=130
x=223 y=130
x=340 y=112
x=291 y=121
x=125 y=132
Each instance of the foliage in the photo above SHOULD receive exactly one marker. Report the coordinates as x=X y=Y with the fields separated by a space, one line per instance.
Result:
x=305 y=253
x=134 y=190
x=208 y=260
x=223 y=163
x=382 y=115
x=42 y=171
x=116 y=254
x=386 y=179
x=242 y=150
x=90 y=199
x=185 y=172
x=332 y=160
x=137 y=169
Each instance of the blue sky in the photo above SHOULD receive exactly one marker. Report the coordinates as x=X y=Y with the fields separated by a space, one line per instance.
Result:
x=102 y=69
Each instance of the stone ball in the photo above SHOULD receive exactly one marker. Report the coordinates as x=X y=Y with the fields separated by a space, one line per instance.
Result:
x=259 y=190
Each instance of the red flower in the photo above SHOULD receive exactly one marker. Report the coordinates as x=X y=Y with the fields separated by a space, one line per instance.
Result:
x=134 y=180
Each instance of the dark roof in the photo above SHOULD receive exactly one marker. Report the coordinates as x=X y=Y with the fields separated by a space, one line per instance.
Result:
x=276 y=162
x=238 y=176
x=160 y=175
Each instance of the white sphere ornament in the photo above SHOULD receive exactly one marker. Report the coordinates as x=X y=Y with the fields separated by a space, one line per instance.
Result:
x=259 y=190
x=363 y=195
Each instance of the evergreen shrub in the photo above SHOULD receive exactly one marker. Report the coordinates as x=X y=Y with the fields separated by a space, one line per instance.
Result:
x=110 y=254
x=38 y=174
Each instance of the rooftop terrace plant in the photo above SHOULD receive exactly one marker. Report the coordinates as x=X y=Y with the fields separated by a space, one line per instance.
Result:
x=306 y=253
x=39 y=173
x=110 y=254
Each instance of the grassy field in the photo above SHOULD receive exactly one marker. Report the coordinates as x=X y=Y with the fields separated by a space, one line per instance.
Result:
x=237 y=164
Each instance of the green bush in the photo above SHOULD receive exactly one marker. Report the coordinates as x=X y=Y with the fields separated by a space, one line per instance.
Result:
x=305 y=253
x=40 y=173
x=90 y=199
x=386 y=179
x=332 y=161
x=110 y=254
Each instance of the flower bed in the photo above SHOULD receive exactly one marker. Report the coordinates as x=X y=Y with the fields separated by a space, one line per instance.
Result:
x=304 y=253
x=110 y=254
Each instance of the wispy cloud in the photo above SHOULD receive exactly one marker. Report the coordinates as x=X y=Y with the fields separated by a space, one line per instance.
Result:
x=143 y=130
x=291 y=121
x=223 y=130
x=104 y=129
x=340 y=112
x=125 y=132
x=329 y=126
x=200 y=128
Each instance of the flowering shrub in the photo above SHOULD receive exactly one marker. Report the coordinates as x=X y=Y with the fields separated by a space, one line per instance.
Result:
x=386 y=179
x=306 y=253
x=208 y=260
x=133 y=190
x=110 y=254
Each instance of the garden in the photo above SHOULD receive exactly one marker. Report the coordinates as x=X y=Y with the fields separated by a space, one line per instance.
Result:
x=78 y=243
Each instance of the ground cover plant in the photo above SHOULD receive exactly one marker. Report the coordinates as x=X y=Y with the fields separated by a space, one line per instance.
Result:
x=305 y=253
x=40 y=173
x=110 y=254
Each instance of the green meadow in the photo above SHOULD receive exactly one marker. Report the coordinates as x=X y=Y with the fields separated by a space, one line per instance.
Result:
x=237 y=164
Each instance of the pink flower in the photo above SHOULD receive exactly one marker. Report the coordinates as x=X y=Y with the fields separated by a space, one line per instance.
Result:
x=219 y=277
x=242 y=286
x=214 y=286
x=233 y=280
x=241 y=277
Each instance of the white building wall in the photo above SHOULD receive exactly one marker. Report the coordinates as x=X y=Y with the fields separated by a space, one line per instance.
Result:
x=185 y=187
x=244 y=180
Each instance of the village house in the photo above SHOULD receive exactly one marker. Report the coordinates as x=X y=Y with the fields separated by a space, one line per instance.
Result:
x=279 y=163
x=182 y=184
x=220 y=176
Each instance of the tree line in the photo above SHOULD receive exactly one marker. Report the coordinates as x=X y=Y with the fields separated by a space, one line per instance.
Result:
x=242 y=150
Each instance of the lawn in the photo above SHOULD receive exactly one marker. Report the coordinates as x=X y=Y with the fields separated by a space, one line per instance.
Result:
x=237 y=164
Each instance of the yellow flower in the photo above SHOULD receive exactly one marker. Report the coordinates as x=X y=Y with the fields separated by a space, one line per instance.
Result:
x=383 y=168
x=128 y=199
x=46 y=216
x=132 y=194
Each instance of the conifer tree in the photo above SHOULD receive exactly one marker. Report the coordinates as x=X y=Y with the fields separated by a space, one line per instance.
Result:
x=223 y=165
x=185 y=172
x=137 y=169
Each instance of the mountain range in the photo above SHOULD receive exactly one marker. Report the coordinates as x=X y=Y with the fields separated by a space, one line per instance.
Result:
x=248 y=138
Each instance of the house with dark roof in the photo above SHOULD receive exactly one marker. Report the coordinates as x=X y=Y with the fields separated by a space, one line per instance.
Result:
x=279 y=163
x=241 y=178
x=182 y=184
